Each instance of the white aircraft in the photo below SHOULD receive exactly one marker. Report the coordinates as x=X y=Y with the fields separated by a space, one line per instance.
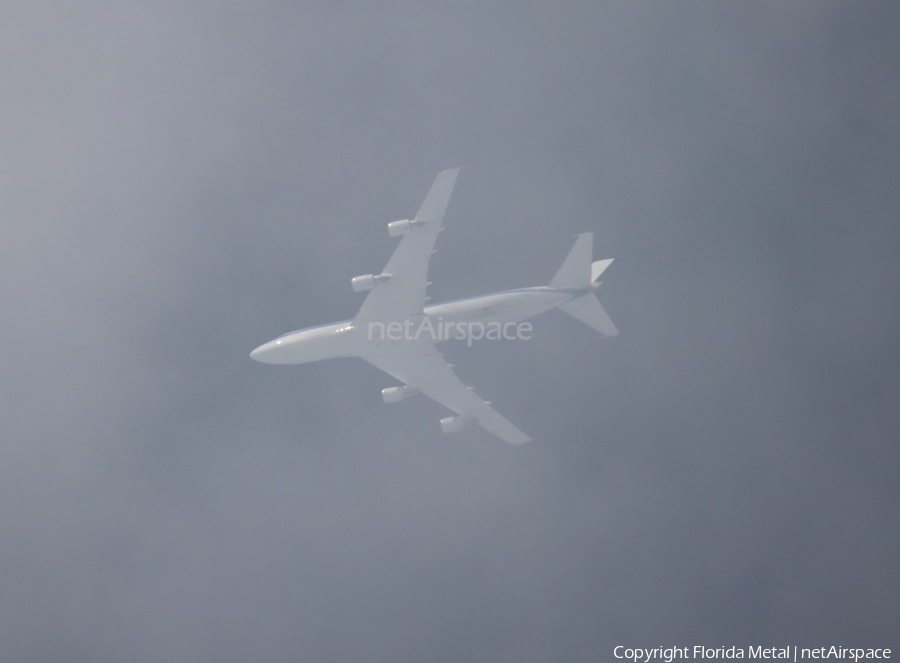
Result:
x=395 y=331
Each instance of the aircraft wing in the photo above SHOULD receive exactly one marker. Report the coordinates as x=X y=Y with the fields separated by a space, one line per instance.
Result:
x=402 y=295
x=422 y=367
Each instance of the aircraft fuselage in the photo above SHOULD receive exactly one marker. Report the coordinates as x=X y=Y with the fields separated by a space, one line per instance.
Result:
x=395 y=331
x=445 y=321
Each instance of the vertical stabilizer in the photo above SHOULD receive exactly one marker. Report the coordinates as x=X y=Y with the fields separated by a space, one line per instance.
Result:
x=575 y=272
x=579 y=272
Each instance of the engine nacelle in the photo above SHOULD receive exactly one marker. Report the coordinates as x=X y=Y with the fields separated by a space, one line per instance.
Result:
x=397 y=394
x=367 y=281
x=454 y=424
x=397 y=228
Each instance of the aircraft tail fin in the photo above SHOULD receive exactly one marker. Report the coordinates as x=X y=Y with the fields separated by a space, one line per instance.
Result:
x=587 y=308
x=575 y=272
x=579 y=272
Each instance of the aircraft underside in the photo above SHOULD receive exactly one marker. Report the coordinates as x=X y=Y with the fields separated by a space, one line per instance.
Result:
x=396 y=332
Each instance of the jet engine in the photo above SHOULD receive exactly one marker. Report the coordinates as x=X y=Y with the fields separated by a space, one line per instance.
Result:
x=397 y=394
x=397 y=228
x=454 y=424
x=367 y=281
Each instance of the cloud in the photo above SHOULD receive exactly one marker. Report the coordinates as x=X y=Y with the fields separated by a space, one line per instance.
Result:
x=183 y=182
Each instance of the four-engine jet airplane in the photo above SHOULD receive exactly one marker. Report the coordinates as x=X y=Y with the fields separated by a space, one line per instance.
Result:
x=397 y=302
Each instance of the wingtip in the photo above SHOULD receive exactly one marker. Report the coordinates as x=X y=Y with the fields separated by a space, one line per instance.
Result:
x=455 y=169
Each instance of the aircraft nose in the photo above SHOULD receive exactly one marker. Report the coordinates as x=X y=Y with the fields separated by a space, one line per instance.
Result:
x=258 y=353
x=270 y=353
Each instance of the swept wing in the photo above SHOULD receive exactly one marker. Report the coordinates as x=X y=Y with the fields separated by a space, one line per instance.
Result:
x=402 y=294
x=420 y=366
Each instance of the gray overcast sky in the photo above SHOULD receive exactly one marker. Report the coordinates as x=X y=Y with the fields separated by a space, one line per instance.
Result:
x=182 y=181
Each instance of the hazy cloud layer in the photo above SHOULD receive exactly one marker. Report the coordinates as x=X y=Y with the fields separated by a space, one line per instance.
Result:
x=183 y=181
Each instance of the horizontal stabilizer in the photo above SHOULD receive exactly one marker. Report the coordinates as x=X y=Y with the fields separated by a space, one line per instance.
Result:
x=588 y=309
x=598 y=267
